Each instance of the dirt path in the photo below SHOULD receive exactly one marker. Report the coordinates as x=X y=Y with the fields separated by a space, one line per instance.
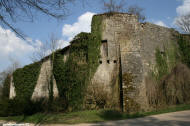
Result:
x=181 y=118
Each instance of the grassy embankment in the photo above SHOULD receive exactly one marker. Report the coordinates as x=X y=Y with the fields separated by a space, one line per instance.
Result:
x=87 y=116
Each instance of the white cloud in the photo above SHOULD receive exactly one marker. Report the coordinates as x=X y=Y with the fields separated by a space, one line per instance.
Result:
x=12 y=47
x=83 y=24
x=10 y=43
x=160 y=23
x=61 y=44
x=184 y=8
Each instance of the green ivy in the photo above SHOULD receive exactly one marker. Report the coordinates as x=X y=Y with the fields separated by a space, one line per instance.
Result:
x=6 y=87
x=161 y=64
x=25 y=80
x=74 y=75
x=165 y=61
x=184 y=47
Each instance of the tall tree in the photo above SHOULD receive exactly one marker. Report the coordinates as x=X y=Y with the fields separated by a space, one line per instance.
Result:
x=183 y=22
x=17 y=10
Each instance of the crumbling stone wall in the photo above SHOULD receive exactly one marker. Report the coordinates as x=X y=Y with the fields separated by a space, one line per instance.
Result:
x=135 y=44
x=12 y=92
x=42 y=87
x=120 y=30
x=127 y=54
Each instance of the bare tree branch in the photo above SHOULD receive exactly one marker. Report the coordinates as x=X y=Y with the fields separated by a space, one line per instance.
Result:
x=138 y=11
x=112 y=6
x=46 y=48
x=183 y=22
x=17 y=10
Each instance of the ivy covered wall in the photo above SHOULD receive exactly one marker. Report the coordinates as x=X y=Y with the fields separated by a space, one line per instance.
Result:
x=74 y=75
x=25 y=80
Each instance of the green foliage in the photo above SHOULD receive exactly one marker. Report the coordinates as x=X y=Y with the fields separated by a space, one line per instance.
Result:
x=25 y=80
x=73 y=75
x=17 y=106
x=94 y=44
x=184 y=48
x=165 y=61
x=6 y=87
x=161 y=64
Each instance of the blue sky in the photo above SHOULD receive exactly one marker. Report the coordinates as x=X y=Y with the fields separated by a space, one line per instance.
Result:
x=161 y=12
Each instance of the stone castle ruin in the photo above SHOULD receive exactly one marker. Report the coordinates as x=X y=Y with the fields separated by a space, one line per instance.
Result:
x=127 y=56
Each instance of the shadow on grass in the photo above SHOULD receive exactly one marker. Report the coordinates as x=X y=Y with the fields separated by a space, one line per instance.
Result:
x=117 y=115
x=108 y=115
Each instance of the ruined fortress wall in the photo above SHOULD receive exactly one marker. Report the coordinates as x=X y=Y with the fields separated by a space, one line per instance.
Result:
x=152 y=37
x=135 y=44
x=120 y=31
x=127 y=55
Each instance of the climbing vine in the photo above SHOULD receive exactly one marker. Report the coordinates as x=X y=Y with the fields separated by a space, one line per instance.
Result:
x=6 y=87
x=74 y=74
x=25 y=80
x=184 y=49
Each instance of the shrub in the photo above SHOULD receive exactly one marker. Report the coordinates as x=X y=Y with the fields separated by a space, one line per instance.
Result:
x=14 y=107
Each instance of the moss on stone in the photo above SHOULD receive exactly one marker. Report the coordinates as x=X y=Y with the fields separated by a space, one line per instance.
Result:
x=130 y=105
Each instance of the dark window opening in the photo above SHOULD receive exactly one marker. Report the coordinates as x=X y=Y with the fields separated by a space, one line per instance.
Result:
x=115 y=61
x=105 y=47
x=104 y=41
x=108 y=61
x=100 y=62
x=163 y=53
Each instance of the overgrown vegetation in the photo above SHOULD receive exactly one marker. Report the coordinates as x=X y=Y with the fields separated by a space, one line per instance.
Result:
x=184 y=49
x=73 y=75
x=70 y=76
x=25 y=80
x=18 y=106
x=6 y=87
x=170 y=75
x=166 y=60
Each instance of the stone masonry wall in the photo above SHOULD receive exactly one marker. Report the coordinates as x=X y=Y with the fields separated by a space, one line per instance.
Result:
x=152 y=36
x=135 y=44
x=121 y=30
x=127 y=56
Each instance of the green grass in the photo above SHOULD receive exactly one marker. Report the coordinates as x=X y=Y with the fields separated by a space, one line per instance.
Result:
x=87 y=116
